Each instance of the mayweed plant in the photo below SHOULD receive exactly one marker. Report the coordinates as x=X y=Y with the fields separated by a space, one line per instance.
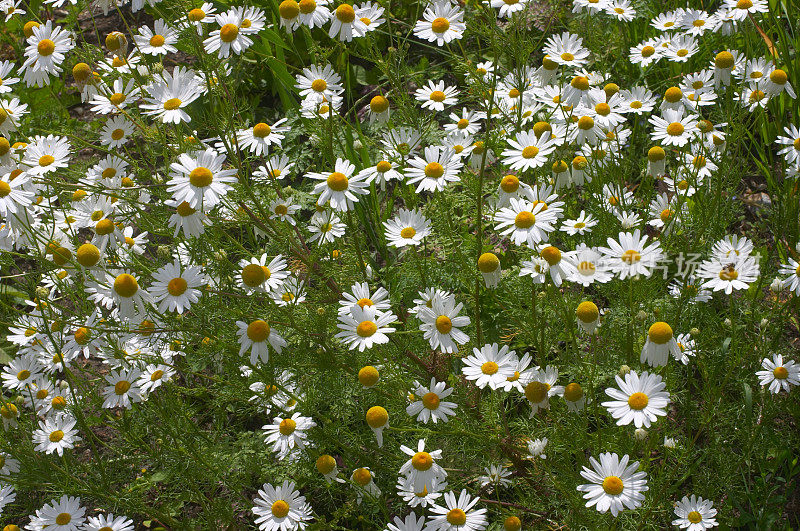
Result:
x=399 y=265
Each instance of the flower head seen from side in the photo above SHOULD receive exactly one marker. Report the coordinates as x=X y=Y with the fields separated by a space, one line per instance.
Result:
x=613 y=484
x=640 y=399
x=659 y=345
x=257 y=336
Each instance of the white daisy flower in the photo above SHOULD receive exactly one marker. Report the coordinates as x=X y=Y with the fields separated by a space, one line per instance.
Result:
x=64 y=514
x=441 y=23
x=281 y=508
x=631 y=256
x=613 y=484
x=457 y=514
x=695 y=513
x=528 y=150
x=160 y=40
x=422 y=470
x=256 y=337
x=441 y=324
x=345 y=24
x=288 y=436
x=174 y=289
x=408 y=227
x=430 y=405
x=261 y=136
x=640 y=399
x=56 y=433
x=438 y=167
x=198 y=178
x=778 y=374
x=525 y=222
x=364 y=327
x=339 y=187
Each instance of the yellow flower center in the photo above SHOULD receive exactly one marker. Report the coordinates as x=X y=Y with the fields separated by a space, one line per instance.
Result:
x=325 y=464
x=638 y=401
x=5 y=189
x=280 y=509
x=780 y=373
x=566 y=56
x=551 y=254
x=378 y=104
x=757 y=95
x=585 y=123
x=440 y=25
x=744 y=4
x=612 y=485
x=728 y=274
x=46 y=47
x=580 y=83
x=377 y=417
x=587 y=311
x=434 y=170
x=345 y=13
x=444 y=324
x=82 y=335
x=366 y=328
x=197 y=14
x=509 y=184
x=524 y=219
x=456 y=517
x=258 y=331
x=253 y=275
x=157 y=375
x=229 y=32
x=647 y=51
x=261 y=130
x=778 y=77
x=46 y=160
x=177 y=286
x=490 y=368
x=122 y=387
x=665 y=214
x=125 y=285
x=438 y=96
x=488 y=263
x=431 y=401
x=23 y=375
x=362 y=476
x=172 y=104
x=536 y=392
x=422 y=461
x=660 y=333
x=157 y=41
x=287 y=427
x=573 y=392
x=675 y=129
x=281 y=210
x=338 y=181
x=529 y=152
x=408 y=232
x=694 y=516
x=201 y=177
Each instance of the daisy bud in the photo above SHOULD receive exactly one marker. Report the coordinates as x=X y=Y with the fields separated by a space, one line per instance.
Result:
x=776 y=286
x=320 y=311
x=512 y=523
x=163 y=251
x=623 y=370
x=641 y=316
x=63 y=385
x=42 y=292
x=220 y=255
x=19 y=399
x=727 y=322
x=368 y=376
x=489 y=266
x=357 y=145
x=694 y=332
x=763 y=323
x=669 y=442
x=157 y=68
x=640 y=434
x=27 y=29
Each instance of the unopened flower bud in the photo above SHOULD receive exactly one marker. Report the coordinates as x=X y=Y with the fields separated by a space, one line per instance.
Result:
x=694 y=332
x=776 y=286
x=623 y=370
x=640 y=434
x=163 y=251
